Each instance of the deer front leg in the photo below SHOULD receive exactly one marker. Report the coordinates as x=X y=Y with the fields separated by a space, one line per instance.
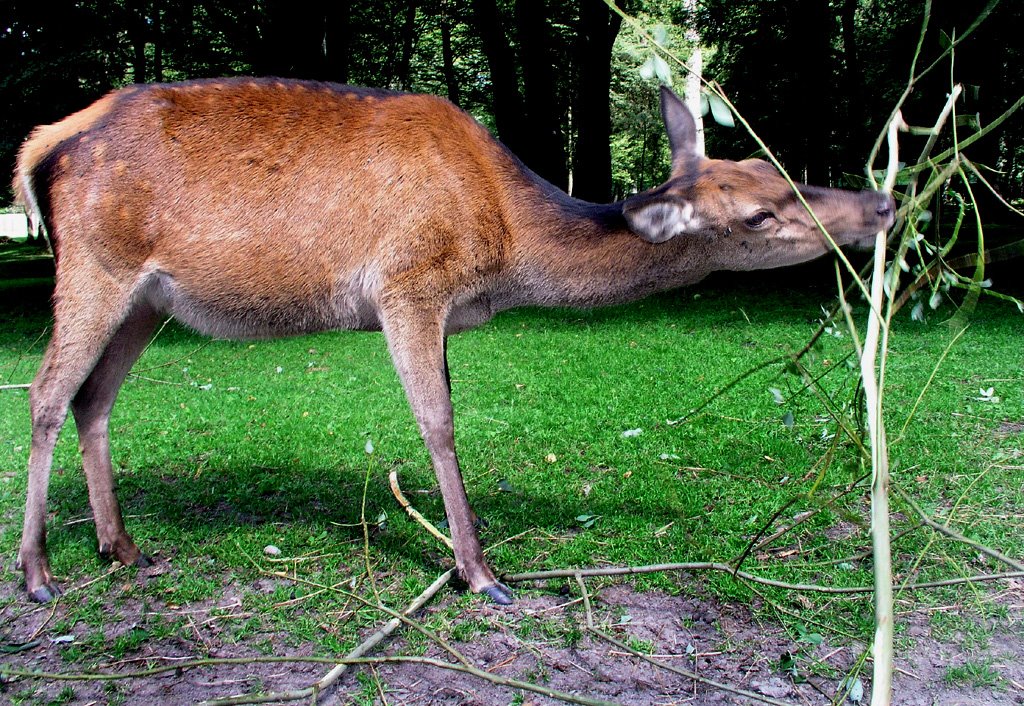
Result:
x=416 y=342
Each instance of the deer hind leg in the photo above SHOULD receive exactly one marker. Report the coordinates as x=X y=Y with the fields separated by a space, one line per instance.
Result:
x=88 y=311
x=416 y=342
x=91 y=407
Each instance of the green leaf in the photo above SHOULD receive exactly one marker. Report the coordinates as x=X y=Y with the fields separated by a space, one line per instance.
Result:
x=944 y=40
x=788 y=420
x=504 y=486
x=705 y=106
x=811 y=638
x=971 y=120
x=647 y=70
x=663 y=71
x=14 y=648
x=917 y=314
x=854 y=690
x=720 y=111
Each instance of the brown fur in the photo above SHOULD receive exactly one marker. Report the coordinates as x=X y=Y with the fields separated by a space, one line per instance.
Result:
x=262 y=207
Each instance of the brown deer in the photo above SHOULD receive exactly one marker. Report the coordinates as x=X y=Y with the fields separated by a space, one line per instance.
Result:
x=253 y=208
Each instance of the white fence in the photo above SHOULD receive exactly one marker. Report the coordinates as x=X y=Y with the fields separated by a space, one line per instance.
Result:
x=13 y=225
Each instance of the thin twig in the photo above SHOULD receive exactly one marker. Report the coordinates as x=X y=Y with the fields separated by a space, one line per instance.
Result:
x=952 y=533
x=927 y=385
x=22 y=386
x=418 y=627
x=687 y=673
x=329 y=679
x=23 y=353
x=586 y=600
x=396 y=490
x=864 y=554
x=171 y=362
x=725 y=568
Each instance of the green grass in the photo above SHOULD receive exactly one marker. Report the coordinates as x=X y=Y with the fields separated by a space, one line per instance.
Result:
x=976 y=674
x=242 y=445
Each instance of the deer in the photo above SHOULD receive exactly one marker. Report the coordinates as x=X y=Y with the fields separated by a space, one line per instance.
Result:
x=251 y=208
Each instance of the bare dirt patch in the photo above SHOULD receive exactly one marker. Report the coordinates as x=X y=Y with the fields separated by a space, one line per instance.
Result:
x=541 y=639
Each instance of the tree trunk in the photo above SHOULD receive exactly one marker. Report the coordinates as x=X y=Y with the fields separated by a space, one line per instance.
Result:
x=158 y=42
x=814 y=101
x=546 y=148
x=137 y=38
x=508 y=103
x=408 y=44
x=856 y=123
x=447 y=55
x=592 y=160
x=294 y=39
x=337 y=40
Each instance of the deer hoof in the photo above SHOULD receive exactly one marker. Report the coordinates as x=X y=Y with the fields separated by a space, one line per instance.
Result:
x=45 y=593
x=498 y=593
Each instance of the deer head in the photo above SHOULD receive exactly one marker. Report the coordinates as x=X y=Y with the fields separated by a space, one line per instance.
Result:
x=750 y=213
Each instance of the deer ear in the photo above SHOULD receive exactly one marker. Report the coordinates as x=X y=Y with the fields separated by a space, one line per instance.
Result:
x=657 y=220
x=682 y=132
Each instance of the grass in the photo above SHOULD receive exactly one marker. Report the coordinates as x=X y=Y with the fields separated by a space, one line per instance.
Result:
x=223 y=448
x=975 y=674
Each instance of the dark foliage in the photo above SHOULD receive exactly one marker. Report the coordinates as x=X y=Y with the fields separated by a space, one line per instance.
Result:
x=816 y=78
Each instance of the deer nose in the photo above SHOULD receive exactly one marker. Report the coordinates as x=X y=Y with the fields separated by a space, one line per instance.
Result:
x=886 y=207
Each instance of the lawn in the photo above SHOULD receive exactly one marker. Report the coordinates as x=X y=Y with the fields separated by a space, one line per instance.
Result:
x=580 y=444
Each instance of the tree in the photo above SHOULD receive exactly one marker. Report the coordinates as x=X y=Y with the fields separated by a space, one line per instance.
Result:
x=592 y=162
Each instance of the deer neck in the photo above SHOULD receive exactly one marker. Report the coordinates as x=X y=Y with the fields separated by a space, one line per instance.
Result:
x=578 y=254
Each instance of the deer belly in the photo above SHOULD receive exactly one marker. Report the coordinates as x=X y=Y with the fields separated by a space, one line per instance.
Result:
x=258 y=306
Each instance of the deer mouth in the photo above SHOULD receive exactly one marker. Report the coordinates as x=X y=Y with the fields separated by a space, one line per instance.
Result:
x=879 y=215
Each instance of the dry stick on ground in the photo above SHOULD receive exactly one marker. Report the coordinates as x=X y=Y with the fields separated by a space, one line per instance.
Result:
x=725 y=568
x=592 y=627
x=329 y=679
x=757 y=543
x=464 y=666
x=687 y=673
x=247 y=661
x=371 y=642
x=864 y=554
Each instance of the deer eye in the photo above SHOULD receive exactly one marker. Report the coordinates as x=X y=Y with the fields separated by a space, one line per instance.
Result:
x=758 y=219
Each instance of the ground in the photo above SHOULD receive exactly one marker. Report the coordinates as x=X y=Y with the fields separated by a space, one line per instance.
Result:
x=542 y=639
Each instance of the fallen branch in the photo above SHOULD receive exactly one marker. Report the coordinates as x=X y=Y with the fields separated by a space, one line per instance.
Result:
x=244 y=661
x=952 y=533
x=24 y=386
x=329 y=679
x=725 y=568
x=687 y=673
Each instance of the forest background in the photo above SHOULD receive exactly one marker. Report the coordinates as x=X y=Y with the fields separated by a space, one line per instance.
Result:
x=558 y=81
